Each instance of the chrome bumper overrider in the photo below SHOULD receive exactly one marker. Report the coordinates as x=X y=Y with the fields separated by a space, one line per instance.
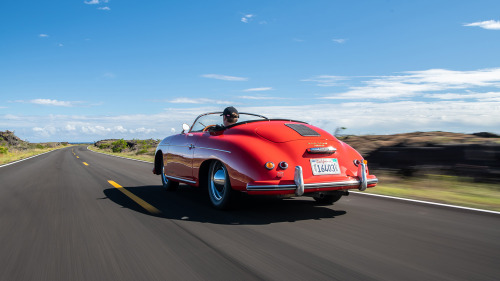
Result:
x=300 y=187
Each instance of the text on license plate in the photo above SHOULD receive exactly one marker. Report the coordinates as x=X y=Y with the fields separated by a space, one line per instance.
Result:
x=325 y=166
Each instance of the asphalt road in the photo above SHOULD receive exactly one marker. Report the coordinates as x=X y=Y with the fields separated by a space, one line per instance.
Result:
x=63 y=220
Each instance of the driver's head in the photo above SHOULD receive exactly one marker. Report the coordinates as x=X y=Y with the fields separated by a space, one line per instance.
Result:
x=230 y=116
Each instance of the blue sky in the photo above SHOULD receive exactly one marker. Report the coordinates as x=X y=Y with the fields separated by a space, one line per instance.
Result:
x=90 y=70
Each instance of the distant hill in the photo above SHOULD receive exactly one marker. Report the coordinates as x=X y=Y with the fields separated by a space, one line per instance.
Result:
x=8 y=138
x=13 y=142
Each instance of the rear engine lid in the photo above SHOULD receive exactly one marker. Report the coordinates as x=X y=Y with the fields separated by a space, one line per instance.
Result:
x=285 y=132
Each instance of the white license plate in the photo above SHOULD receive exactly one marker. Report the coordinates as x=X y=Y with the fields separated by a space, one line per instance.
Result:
x=325 y=166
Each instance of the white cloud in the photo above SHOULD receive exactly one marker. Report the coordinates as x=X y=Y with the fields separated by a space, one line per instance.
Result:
x=43 y=35
x=255 y=97
x=109 y=75
x=104 y=8
x=259 y=97
x=340 y=41
x=393 y=117
x=326 y=80
x=70 y=127
x=359 y=118
x=120 y=129
x=247 y=18
x=489 y=24
x=414 y=83
x=91 y=2
x=46 y=131
x=489 y=96
x=143 y=131
x=435 y=99
x=258 y=89
x=52 y=102
x=199 y=101
x=224 y=77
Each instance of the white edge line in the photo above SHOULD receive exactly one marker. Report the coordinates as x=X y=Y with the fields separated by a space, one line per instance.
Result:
x=4 y=165
x=120 y=156
x=362 y=193
x=429 y=203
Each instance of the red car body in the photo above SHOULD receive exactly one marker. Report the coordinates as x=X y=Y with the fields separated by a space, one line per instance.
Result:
x=306 y=160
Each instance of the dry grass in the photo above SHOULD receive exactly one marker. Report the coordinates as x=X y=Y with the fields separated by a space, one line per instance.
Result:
x=129 y=154
x=15 y=155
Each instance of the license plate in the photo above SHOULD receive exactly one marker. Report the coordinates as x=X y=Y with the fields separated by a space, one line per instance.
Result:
x=325 y=166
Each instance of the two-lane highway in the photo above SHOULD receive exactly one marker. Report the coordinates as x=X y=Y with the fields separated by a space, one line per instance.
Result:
x=73 y=214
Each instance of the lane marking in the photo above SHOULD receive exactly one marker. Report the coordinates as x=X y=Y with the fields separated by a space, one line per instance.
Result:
x=77 y=156
x=428 y=203
x=136 y=199
x=85 y=163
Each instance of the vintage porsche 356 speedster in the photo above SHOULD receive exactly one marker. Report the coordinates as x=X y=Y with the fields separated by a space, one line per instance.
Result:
x=260 y=156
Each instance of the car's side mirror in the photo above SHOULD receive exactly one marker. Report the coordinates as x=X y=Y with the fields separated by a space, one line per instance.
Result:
x=185 y=128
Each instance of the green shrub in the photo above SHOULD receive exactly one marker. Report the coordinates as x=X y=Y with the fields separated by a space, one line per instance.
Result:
x=4 y=150
x=104 y=145
x=119 y=145
x=40 y=146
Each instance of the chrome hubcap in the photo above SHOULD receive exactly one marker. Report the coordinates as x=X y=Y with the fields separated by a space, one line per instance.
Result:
x=220 y=177
x=218 y=182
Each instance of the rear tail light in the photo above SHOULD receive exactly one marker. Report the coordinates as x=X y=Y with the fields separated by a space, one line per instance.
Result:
x=269 y=165
x=283 y=165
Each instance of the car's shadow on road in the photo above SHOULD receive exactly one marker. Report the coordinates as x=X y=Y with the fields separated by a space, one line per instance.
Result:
x=192 y=204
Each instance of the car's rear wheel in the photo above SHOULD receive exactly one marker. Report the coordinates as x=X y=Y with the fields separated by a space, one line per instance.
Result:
x=168 y=184
x=219 y=187
x=328 y=199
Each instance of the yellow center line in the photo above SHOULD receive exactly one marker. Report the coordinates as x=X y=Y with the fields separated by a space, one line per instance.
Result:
x=85 y=163
x=77 y=156
x=136 y=199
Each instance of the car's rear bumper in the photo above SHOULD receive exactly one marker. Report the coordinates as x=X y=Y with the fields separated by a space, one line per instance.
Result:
x=262 y=188
x=299 y=186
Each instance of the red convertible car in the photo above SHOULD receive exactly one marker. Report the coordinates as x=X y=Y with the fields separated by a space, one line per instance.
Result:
x=260 y=156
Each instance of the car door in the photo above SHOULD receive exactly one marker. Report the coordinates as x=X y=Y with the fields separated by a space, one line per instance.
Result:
x=179 y=162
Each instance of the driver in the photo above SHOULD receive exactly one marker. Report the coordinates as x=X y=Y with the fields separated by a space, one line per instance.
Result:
x=230 y=116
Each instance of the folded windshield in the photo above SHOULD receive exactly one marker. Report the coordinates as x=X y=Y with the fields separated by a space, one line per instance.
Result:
x=211 y=119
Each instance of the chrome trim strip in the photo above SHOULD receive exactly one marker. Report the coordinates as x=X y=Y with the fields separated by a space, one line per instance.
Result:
x=221 y=150
x=180 y=179
x=322 y=150
x=272 y=187
x=307 y=186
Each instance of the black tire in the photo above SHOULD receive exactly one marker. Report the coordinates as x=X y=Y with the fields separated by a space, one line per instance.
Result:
x=328 y=199
x=219 y=187
x=168 y=184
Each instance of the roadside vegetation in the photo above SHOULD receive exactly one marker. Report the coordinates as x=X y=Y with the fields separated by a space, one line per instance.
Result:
x=13 y=148
x=135 y=149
